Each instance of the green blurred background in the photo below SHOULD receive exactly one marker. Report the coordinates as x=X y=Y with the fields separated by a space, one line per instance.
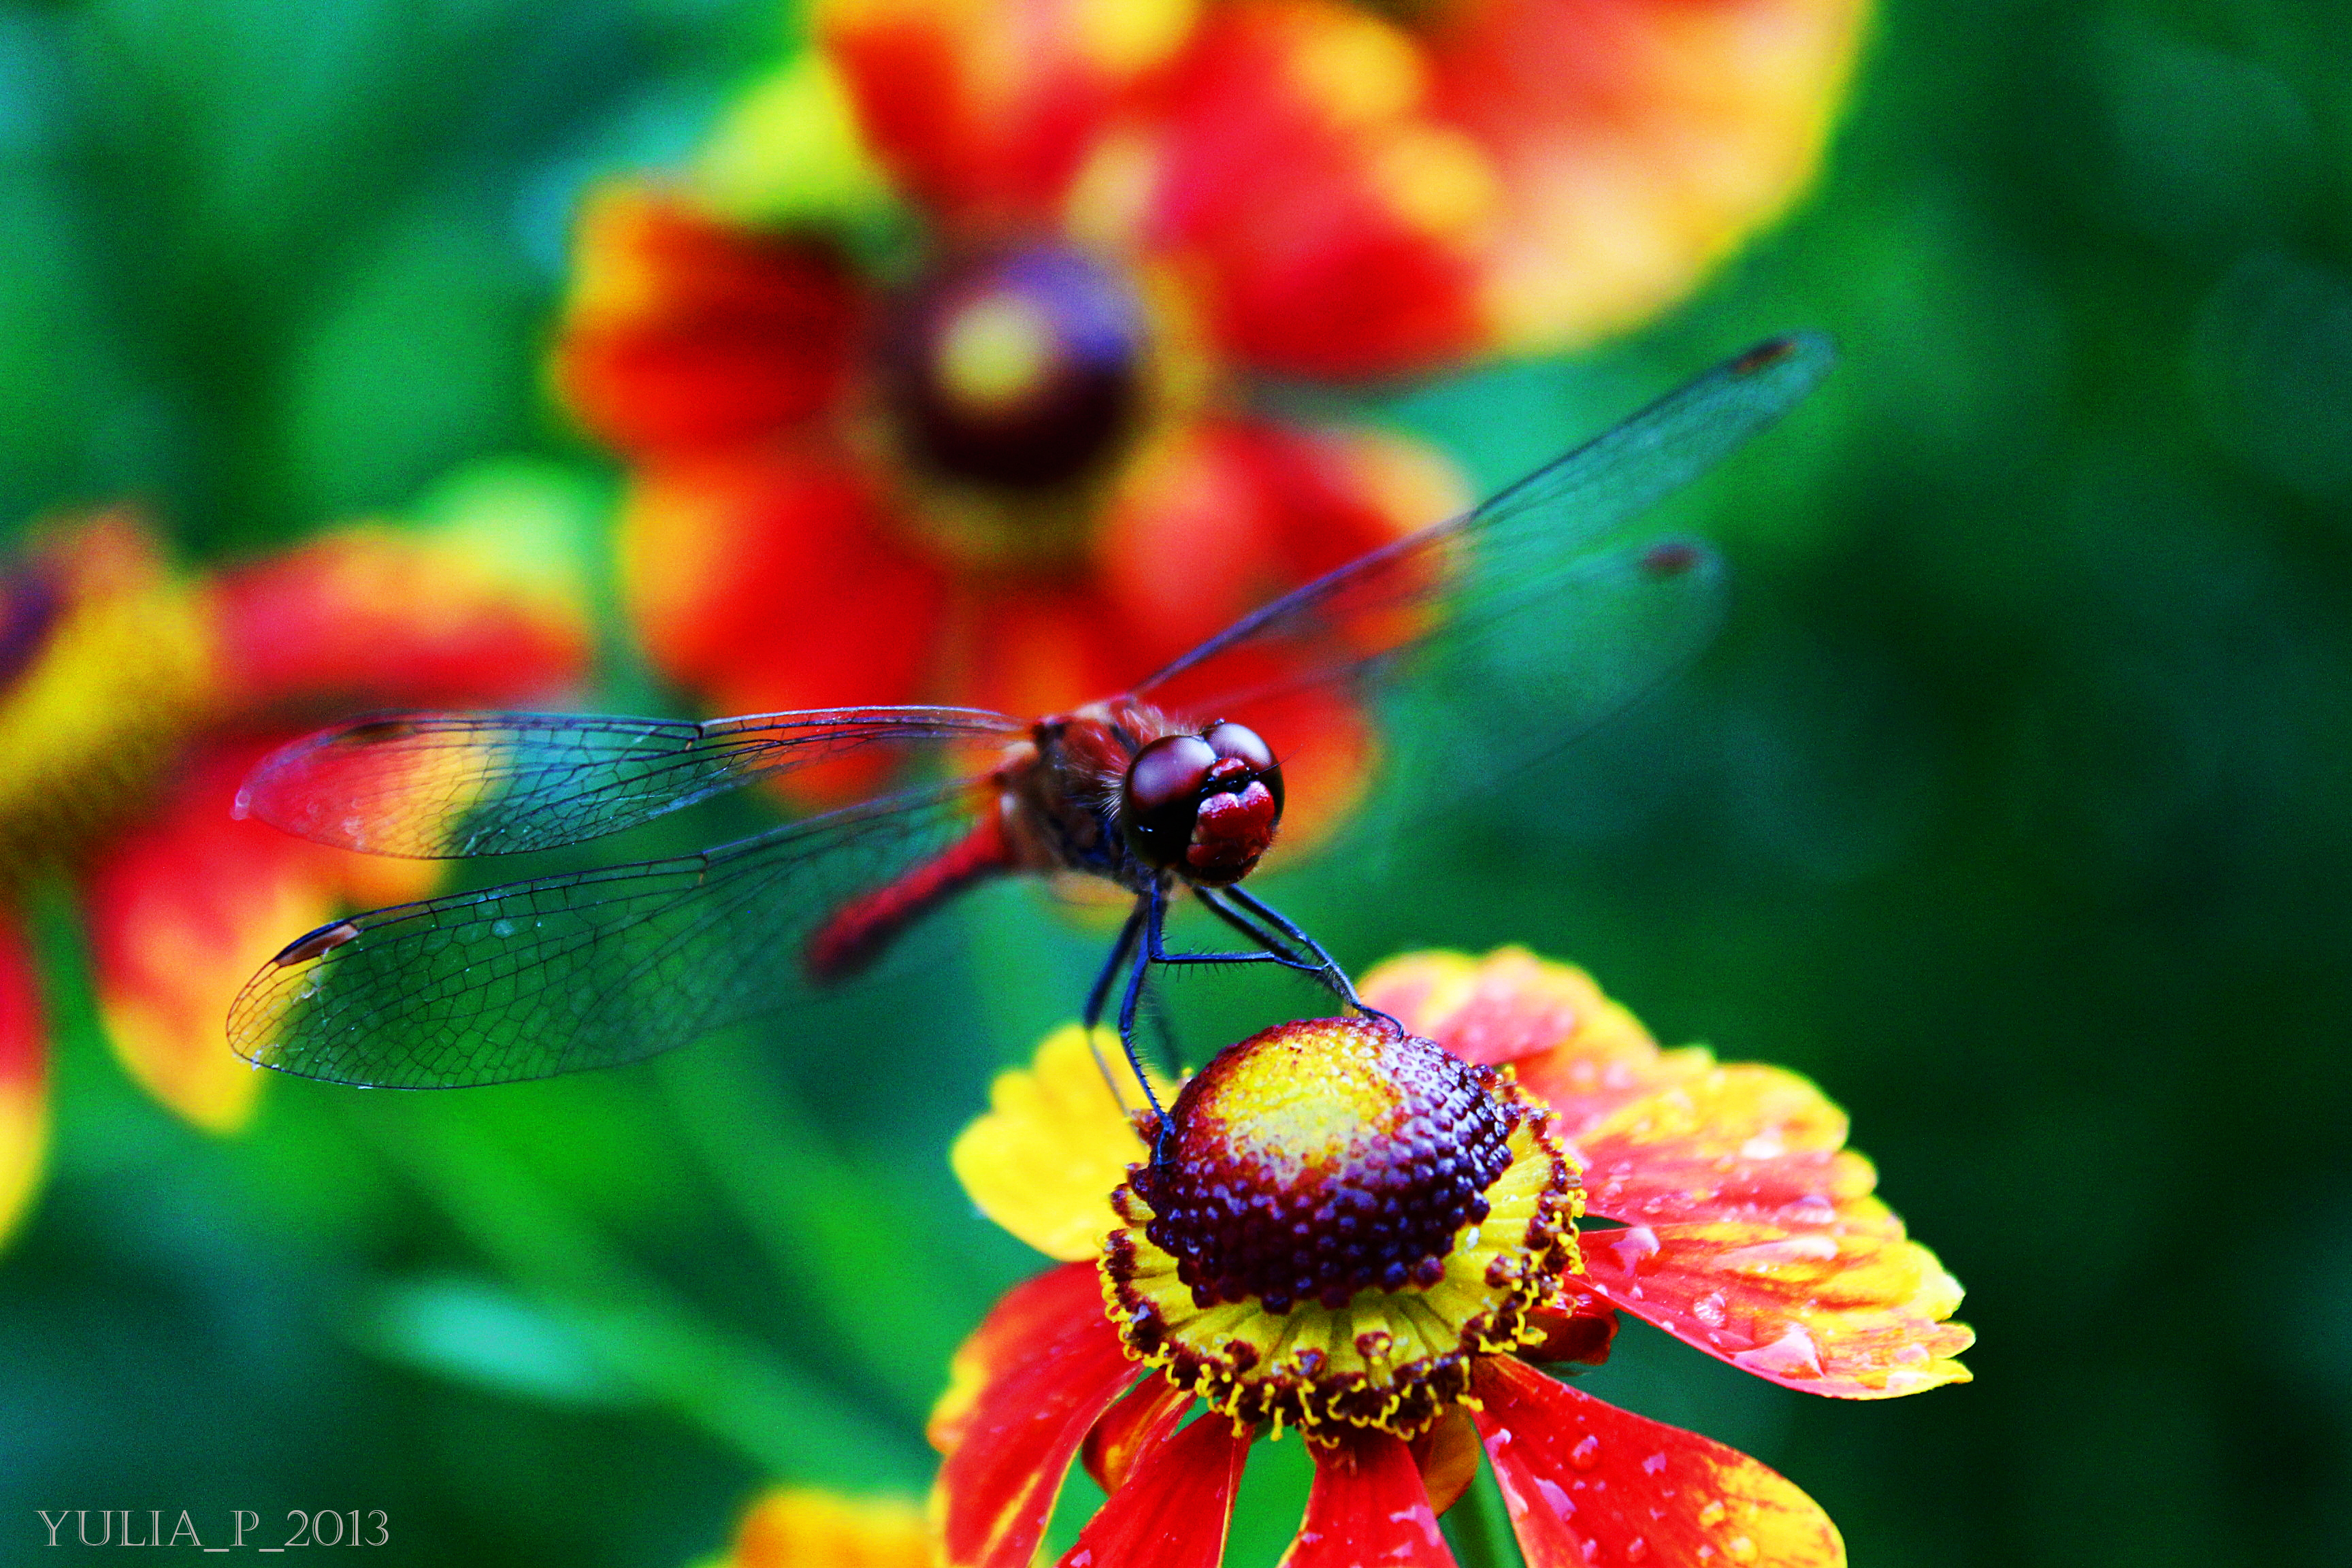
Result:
x=2011 y=805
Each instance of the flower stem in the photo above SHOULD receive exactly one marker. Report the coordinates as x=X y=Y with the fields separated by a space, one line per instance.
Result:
x=1479 y=1527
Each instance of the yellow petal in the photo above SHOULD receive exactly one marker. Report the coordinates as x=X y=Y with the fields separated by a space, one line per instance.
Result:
x=1053 y=1145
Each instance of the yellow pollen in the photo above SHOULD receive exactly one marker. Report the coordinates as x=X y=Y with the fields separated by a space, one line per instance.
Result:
x=995 y=353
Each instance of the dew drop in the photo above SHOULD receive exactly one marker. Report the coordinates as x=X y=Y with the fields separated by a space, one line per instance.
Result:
x=1637 y=1551
x=1713 y=1514
x=1740 y=1548
x=502 y=927
x=1709 y=1309
x=1586 y=1455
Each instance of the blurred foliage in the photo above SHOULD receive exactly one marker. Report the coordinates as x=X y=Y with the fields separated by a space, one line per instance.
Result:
x=2011 y=805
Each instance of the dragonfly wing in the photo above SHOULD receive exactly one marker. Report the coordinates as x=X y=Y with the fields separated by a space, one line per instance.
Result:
x=1536 y=669
x=566 y=973
x=447 y=785
x=1553 y=531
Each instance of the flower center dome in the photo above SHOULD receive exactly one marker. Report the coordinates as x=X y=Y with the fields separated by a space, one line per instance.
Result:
x=1348 y=1216
x=1019 y=368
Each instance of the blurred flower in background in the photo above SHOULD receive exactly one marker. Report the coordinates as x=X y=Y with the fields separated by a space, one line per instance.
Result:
x=1374 y=1238
x=800 y=1527
x=935 y=373
x=132 y=699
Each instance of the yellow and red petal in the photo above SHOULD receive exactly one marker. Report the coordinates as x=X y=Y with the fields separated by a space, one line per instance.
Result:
x=1750 y=1232
x=107 y=661
x=1853 y=1315
x=984 y=109
x=1636 y=141
x=1746 y=1142
x=1571 y=1047
x=1044 y=1158
x=1023 y=1392
x=1585 y=1482
x=799 y=1527
x=1367 y=1505
x=184 y=905
x=1172 y=1511
x=686 y=331
x=1334 y=228
x=24 y=1074
x=482 y=612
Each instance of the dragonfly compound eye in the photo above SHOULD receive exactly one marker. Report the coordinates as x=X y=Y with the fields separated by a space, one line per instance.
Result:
x=1162 y=798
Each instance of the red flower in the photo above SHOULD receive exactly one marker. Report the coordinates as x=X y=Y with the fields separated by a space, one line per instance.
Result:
x=933 y=375
x=1374 y=1239
x=133 y=699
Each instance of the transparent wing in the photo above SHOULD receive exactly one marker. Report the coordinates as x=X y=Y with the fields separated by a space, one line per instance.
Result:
x=587 y=969
x=1553 y=544
x=447 y=786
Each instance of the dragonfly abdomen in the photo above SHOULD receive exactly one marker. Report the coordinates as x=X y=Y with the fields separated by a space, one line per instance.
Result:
x=855 y=935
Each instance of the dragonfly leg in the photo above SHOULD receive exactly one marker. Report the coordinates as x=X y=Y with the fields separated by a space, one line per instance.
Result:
x=1241 y=922
x=1151 y=908
x=1099 y=995
x=1265 y=947
x=1326 y=968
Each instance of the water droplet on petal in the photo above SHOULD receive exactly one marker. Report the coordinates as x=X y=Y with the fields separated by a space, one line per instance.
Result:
x=1740 y=1548
x=1586 y=1455
x=1637 y=1551
x=1713 y=1514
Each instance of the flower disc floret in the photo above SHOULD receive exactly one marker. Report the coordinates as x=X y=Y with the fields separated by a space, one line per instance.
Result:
x=1347 y=1217
x=1022 y=368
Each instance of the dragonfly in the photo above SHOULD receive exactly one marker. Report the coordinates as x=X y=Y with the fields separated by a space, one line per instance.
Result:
x=1172 y=790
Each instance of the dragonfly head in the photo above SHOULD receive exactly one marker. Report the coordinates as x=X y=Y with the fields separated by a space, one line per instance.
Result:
x=1204 y=806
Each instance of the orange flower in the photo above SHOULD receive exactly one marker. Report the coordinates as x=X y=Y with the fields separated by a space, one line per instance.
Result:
x=934 y=374
x=800 y=1527
x=1374 y=1238
x=132 y=700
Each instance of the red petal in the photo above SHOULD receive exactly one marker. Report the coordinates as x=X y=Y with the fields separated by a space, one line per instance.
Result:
x=184 y=906
x=24 y=1073
x=1025 y=1388
x=1577 y=1325
x=373 y=617
x=772 y=580
x=1367 y=1506
x=1447 y=1457
x=1585 y=1482
x=1337 y=228
x=984 y=113
x=1173 y=1511
x=1137 y=1422
x=684 y=331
